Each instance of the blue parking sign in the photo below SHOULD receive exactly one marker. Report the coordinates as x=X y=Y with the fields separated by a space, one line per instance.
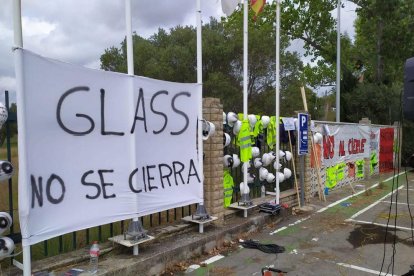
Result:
x=302 y=133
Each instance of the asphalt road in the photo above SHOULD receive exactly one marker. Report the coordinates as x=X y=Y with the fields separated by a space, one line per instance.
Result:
x=345 y=239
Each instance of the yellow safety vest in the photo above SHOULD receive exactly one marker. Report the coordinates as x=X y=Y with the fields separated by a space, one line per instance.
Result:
x=245 y=142
x=340 y=171
x=360 y=168
x=228 y=188
x=271 y=132
x=331 y=177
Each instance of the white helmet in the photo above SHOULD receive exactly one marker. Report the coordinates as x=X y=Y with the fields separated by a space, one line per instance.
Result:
x=226 y=139
x=288 y=155
x=263 y=172
x=317 y=138
x=237 y=127
x=6 y=247
x=250 y=178
x=244 y=189
x=5 y=222
x=224 y=118
x=281 y=154
x=255 y=152
x=272 y=156
x=257 y=163
x=228 y=161
x=3 y=114
x=252 y=120
x=208 y=129
x=236 y=161
x=6 y=170
x=281 y=177
x=231 y=118
x=270 y=177
x=266 y=159
x=287 y=173
x=265 y=121
x=275 y=165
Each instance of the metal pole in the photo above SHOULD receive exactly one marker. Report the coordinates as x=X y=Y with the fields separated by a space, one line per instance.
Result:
x=245 y=76
x=302 y=179
x=338 y=64
x=18 y=42
x=277 y=97
x=200 y=110
x=130 y=65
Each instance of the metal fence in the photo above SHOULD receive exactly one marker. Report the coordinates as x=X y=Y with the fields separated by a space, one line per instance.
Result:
x=261 y=143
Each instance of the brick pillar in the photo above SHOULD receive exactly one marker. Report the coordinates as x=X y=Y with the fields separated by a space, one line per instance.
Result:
x=213 y=160
x=367 y=161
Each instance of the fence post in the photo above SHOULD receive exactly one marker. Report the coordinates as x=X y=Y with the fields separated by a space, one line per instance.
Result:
x=213 y=160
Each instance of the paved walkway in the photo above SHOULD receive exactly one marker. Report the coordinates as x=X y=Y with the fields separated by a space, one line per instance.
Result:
x=343 y=236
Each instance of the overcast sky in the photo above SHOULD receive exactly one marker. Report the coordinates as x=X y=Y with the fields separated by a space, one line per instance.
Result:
x=78 y=31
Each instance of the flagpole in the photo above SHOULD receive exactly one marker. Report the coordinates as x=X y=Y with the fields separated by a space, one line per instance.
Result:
x=18 y=42
x=277 y=97
x=338 y=64
x=245 y=77
x=200 y=109
x=130 y=66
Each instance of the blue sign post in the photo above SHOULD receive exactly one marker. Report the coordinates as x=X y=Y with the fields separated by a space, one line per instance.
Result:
x=303 y=133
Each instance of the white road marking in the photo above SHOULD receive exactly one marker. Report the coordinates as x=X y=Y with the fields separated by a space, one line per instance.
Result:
x=213 y=259
x=333 y=204
x=360 y=268
x=375 y=203
x=390 y=226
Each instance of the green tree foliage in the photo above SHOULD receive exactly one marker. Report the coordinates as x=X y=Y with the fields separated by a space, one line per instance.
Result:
x=172 y=56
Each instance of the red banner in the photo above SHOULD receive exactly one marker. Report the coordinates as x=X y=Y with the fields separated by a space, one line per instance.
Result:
x=386 y=154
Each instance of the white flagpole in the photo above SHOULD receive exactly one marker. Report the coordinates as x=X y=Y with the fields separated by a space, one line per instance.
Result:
x=338 y=64
x=245 y=77
x=200 y=110
x=277 y=97
x=18 y=42
x=130 y=66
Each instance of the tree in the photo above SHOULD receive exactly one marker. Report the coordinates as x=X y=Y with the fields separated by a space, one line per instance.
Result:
x=172 y=56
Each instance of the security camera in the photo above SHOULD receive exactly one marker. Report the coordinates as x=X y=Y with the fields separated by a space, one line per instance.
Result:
x=6 y=170
x=6 y=247
x=5 y=222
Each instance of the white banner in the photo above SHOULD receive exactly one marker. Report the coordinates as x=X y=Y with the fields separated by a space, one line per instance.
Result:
x=103 y=147
x=345 y=143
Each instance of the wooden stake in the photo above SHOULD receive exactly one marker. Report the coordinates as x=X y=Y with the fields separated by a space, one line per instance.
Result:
x=320 y=190
x=294 y=169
